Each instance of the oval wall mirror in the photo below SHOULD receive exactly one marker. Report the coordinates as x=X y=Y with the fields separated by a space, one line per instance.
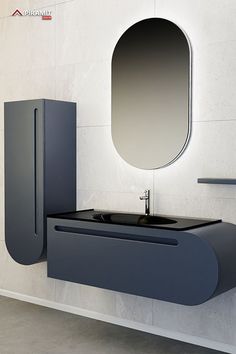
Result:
x=151 y=93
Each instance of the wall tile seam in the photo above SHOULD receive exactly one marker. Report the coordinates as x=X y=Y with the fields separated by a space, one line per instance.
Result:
x=88 y=61
x=31 y=69
x=105 y=191
x=154 y=178
x=55 y=52
x=218 y=41
x=190 y=195
x=91 y=62
x=154 y=7
x=214 y=120
x=93 y=126
x=63 y=2
x=55 y=290
x=153 y=311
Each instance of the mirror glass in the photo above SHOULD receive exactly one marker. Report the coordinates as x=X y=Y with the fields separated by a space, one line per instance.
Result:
x=151 y=93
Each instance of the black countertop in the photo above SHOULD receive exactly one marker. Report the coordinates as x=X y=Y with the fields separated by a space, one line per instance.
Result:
x=133 y=219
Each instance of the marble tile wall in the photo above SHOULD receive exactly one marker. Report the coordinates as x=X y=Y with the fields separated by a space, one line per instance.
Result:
x=69 y=58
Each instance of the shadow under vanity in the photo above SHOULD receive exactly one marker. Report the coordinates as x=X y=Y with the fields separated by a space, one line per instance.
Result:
x=171 y=258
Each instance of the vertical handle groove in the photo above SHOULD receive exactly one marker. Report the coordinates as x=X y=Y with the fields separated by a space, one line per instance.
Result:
x=35 y=172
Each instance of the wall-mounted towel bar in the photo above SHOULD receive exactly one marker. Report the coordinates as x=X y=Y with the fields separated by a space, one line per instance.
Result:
x=217 y=180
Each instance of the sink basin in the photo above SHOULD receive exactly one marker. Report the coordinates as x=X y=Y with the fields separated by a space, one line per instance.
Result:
x=133 y=219
x=169 y=222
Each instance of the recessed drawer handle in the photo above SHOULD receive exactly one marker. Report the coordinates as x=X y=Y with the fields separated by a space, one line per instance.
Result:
x=35 y=173
x=116 y=235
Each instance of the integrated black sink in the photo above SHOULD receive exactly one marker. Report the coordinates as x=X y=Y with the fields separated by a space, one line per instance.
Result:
x=152 y=221
x=133 y=219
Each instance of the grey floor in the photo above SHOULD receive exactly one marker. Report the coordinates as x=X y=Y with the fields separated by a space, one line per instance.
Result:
x=32 y=329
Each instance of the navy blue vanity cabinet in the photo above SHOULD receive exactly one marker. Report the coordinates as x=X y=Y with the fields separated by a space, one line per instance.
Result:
x=181 y=266
x=40 y=172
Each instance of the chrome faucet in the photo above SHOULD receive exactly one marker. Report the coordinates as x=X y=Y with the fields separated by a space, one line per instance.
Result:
x=146 y=197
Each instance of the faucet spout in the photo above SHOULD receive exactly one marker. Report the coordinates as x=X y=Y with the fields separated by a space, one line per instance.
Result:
x=146 y=197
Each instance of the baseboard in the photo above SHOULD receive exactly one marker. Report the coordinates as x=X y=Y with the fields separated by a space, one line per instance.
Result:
x=122 y=322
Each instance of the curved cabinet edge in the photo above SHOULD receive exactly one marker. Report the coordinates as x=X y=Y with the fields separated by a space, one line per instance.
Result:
x=27 y=255
x=222 y=239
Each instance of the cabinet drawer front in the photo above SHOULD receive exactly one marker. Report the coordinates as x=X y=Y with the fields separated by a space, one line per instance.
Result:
x=156 y=270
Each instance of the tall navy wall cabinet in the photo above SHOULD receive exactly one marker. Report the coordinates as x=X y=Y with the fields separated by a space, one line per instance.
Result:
x=40 y=172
